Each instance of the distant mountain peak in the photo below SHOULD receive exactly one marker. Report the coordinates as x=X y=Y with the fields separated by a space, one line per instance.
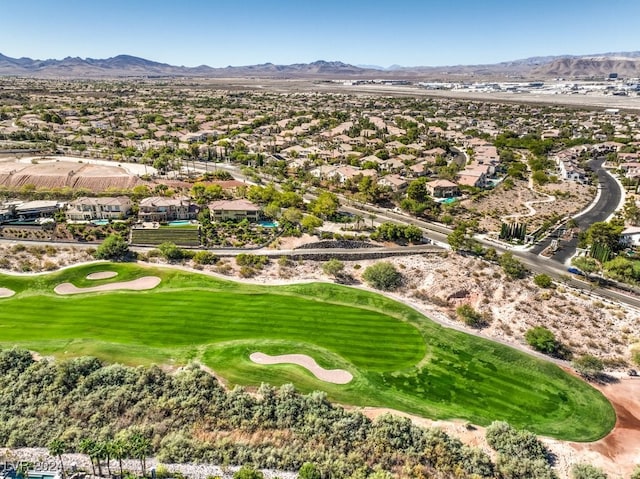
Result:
x=124 y=65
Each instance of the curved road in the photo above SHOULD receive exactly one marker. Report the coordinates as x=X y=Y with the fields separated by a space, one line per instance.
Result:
x=607 y=203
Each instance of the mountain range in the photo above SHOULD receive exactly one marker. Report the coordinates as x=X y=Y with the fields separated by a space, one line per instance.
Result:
x=626 y=64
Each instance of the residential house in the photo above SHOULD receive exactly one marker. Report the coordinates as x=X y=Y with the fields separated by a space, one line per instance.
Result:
x=630 y=236
x=86 y=209
x=442 y=189
x=472 y=177
x=395 y=182
x=30 y=210
x=160 y=209
x=223 y=210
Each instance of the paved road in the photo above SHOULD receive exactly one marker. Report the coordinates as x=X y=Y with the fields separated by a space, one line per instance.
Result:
x=608 y=200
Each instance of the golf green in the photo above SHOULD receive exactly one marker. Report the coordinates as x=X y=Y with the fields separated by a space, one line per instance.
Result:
x=398 y=358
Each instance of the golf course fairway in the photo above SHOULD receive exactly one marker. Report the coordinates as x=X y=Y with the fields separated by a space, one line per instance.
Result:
x=398 y=358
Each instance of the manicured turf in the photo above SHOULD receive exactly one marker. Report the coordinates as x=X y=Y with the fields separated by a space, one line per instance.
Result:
x=398 y=358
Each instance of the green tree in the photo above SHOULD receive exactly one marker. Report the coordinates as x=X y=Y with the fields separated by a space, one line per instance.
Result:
x=88 y=446
x=636 y=473
x=57 y=447
x=325 y=205
x=586 y=471
x=114 y=248
x=140 y=448
x=246 y=472
x=120 y=450
x=541 y=339
x=511 y=266
x=170 y=251
x=588 y=366
x=417 y=190
x=309 y=223
x=309 y=471
x=606 y=234
x=383 y=275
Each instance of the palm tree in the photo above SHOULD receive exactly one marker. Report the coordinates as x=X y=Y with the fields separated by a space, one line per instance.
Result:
x=140 y=448
x=87 y=446
x=57 y=448
x=120 y=450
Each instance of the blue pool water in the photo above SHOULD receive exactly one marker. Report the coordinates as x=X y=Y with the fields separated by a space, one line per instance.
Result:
x=99 y=222
x=268 y=224
x=179 y=223
x=448 y=201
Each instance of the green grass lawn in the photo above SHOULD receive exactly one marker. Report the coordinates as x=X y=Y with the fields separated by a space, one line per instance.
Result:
x=399 y=358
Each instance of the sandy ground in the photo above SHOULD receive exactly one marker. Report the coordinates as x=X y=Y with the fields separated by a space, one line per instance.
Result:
x=335 y=376
x=146 y=282
x=132 y=168
x=102 y=275
x=531 y=206
x=6 y=292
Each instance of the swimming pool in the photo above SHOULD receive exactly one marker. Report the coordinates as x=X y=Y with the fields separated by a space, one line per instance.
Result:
x=179 y=223
x=99 y=222
x=268 y=224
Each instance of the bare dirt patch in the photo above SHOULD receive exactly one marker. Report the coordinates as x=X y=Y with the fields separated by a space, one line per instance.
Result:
x=6 y=292
x=140 y=284
x=102 y=275
x=335 y=376
x=491 y=210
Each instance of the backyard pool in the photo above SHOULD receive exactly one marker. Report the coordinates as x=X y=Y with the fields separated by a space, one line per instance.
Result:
x=99 y=222
x=268 y=224
x=179 y=223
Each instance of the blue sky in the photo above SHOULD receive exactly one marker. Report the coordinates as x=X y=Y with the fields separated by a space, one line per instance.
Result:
x=405 y=32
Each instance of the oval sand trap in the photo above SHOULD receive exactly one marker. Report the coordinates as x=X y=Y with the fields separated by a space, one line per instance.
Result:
x=336 y=376
x=140 y=284
x=6 y=292
x=102 y=275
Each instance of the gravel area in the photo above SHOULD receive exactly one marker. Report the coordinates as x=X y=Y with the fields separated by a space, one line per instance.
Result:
x=40 y=456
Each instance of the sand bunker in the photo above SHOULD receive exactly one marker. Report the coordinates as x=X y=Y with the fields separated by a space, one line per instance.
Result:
x=146 y=282
x=102 y=275
x=336 y=376
x=6 y=292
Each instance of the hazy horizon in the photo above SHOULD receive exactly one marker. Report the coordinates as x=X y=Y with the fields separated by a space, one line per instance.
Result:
x=412 y=33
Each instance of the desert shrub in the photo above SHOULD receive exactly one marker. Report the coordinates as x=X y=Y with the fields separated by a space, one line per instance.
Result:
x=114 y=247
x=252 y=260
x=586 y=471
x=543 y=280
x=515 y=443
x=333 y=267
x=588 y=366
x=382 y=275
x=171 y=252
x=541 y=339
x=511 y=266
x=205 y=257
x=470 y=316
